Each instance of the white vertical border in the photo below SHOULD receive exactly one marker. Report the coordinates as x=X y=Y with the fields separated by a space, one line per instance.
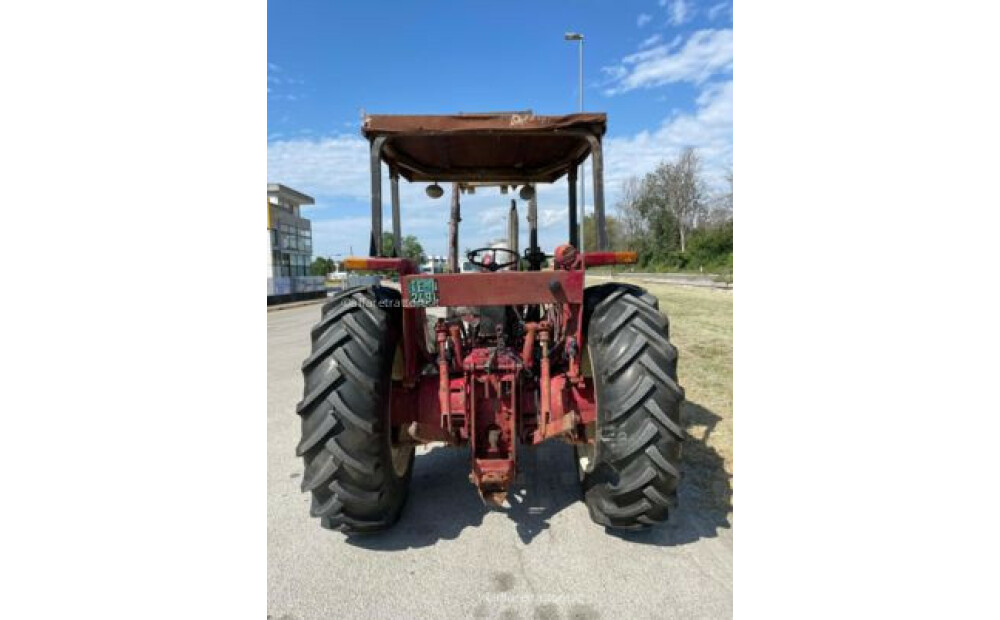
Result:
x=134 y=399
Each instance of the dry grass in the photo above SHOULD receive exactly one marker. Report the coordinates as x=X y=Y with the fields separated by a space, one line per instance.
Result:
x=701 y=327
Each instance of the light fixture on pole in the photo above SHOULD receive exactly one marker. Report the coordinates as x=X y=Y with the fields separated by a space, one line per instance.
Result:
x=434 y=191
x=576 y=36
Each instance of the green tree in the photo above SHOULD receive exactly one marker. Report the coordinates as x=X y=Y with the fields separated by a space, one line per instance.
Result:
x=321 y=266
x=711 y=246
x=649 y=228
x=680 y=191
x=721 y=204
x=413 y=250
x=411 y=247
x=669 y=218
x=615 y=237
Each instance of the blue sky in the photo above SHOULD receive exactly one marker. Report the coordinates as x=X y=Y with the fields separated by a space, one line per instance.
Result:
x=660 y=69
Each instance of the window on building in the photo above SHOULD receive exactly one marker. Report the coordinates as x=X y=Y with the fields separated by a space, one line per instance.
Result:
x=300 y=239
x=288 y=237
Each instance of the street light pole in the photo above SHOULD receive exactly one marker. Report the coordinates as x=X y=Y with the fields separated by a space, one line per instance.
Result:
x=576 y=36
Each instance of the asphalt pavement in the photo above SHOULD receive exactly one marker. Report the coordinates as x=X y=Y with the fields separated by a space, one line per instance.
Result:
x=451 y=557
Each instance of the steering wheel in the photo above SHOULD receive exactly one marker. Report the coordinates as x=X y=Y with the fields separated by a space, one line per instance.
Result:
x=489 y=261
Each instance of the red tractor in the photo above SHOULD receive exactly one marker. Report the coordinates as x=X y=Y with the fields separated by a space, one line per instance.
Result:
x=521 y=351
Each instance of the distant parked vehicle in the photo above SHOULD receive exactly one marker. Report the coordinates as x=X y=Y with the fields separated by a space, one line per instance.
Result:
x=434 y=264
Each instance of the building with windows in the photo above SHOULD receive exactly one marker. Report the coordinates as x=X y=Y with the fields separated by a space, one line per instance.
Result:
x=289 y=247
x=434 y=264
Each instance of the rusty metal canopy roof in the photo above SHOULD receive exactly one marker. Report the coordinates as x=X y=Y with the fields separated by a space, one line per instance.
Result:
x=488 y=147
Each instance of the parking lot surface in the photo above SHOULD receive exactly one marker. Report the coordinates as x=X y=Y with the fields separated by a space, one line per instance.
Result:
x=451 y=557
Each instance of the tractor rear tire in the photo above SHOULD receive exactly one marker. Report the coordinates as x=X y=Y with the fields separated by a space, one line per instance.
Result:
x=631 y=473
x=357 y=478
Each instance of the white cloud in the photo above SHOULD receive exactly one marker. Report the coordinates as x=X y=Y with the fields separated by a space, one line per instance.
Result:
x=549 y=218
x=277 y=78
x=717 y=10
x=709 y=129
x=704 y=54
x=614 y=73
x=335 y=166
x=272 y=74
x=678 y=12
x=643 y=19
x=647 y=42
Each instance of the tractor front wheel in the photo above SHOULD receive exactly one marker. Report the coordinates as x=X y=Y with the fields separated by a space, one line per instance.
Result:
x=357 y=477
x=631 y=472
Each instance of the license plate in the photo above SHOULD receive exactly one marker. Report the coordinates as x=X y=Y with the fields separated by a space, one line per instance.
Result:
x=423 y=292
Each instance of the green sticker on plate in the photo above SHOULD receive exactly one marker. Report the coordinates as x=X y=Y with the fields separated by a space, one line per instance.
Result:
x=423 y=292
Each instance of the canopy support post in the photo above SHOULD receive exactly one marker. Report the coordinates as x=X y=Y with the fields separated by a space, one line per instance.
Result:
x=602 y=225
x=534 y=261
x=397 y=235
x=456 y=217
x=574 y=229
x=513 y=231
x=376 y=164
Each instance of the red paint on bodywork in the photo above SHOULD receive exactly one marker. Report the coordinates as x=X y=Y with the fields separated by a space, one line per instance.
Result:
x=594 y=259
x=488 y=393
x=503 y=288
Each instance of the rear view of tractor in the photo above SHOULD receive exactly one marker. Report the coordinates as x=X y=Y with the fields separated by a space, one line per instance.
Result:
x=519 y=353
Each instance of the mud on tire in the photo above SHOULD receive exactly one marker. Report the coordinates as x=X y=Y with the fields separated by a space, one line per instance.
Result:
x=630 y=476
x=358 y=480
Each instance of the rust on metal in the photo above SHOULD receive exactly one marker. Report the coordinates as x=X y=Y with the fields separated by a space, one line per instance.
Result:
x=456 y=217
x=496 y=499
x=527 y=350
x=444 y=389
x=545 y=380
x=455 y=333
x=515 y=147
x=427 y=433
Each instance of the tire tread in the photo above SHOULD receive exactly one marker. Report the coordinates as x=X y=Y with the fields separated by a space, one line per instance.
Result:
x=635 y=474
x=347 y=381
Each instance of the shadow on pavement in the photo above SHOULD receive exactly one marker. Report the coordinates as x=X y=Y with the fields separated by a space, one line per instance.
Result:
x=440 y=505
x=706 y=491
x=442 y=502
x=546 y=484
